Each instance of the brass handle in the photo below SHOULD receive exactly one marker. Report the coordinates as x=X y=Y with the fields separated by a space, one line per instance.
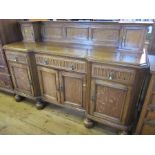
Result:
x=111 y=76
x=72 y=66
x=15 y=58
x=46 y=62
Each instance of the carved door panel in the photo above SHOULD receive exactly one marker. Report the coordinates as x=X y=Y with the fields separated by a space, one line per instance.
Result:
x=49 y=83
x=73 y=87
x=108 y=100
x=21 y=78
x=133 y=37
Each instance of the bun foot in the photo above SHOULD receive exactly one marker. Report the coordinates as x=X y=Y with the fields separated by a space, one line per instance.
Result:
x=40 y=105
x=88 y=123
x=123 y=133
x=18 y=98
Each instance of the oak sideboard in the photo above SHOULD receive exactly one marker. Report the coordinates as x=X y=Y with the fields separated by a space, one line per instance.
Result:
x=96 y=67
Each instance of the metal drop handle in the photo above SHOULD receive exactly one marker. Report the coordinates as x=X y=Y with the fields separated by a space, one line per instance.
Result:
x=111 y=76
x=72 y=66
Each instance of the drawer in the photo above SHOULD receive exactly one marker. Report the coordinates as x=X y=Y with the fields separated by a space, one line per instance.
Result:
x=106 y=72
x=61 y=63
x=5 y=81
x=16 y=57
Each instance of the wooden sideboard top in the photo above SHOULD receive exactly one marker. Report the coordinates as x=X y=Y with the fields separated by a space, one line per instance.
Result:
x=109 y=55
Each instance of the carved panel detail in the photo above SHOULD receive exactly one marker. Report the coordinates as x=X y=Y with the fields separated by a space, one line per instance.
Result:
x=109 y=101
x=61 y=62
x=112 y=73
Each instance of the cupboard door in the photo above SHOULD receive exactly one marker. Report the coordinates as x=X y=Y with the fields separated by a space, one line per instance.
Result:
x=73 y=87
x=21 y=78
x=133 y=37
x=49 y=83
x=108 y=100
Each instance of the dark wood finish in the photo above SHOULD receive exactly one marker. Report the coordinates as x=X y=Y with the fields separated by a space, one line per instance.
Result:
x=88 y=123
x=18 y=98
x=96 y=67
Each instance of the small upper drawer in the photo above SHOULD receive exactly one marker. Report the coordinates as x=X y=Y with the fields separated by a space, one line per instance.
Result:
x=113 y=73
x=16 y=57
x=61 y=63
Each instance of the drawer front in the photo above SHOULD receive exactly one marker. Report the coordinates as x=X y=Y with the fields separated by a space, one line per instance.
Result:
x=5 y=81
x=61 y=63
x=113 y=74
x=16 y=57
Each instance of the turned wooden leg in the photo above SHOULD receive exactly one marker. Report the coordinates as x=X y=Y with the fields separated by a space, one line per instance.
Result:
x=88 y=123
x=18 y=98
x=40 y=105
